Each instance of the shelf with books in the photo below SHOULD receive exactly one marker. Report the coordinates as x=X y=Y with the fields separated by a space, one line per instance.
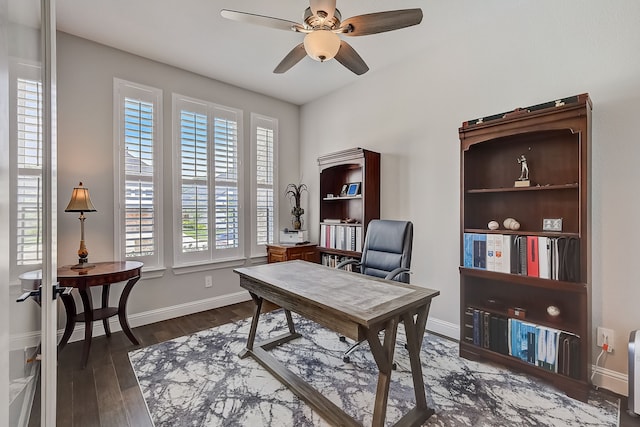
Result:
x=349 y=199
x=544 y=273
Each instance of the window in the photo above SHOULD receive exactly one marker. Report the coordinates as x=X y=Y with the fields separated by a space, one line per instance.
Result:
x=207 y=189
x=26 y=173
x=264 y=146
x=138 y=165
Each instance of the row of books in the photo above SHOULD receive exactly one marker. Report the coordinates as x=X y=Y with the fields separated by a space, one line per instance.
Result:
x=341 y=236
x=548 y=348
x=333 y=260
x=556 y=258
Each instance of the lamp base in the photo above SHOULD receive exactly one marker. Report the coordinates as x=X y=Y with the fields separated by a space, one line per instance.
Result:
x=82 y=266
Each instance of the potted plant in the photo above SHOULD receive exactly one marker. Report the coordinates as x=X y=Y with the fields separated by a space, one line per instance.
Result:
x=294 y=193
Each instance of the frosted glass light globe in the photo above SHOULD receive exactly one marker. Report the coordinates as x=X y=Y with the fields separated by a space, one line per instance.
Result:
x=321 y=45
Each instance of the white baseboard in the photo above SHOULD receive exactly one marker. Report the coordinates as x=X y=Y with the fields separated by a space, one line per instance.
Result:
x=153 y=316
x=32 y=339
x=448 y=329
x=614 y=381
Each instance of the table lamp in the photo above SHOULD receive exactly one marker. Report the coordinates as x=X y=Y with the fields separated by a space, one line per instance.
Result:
x=81 y=202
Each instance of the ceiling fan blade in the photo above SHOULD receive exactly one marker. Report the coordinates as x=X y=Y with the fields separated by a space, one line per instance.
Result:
x=380 y=22
x=292 y=58
x=328 y=6
x=265 y=21
x=348 y=57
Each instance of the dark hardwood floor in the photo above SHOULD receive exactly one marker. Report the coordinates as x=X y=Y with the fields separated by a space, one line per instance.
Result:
x=106 y=393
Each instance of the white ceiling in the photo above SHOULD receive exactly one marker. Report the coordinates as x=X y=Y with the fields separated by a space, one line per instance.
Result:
x=191 y=34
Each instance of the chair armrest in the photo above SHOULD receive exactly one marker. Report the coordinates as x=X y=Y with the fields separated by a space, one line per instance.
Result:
x=347 y=262
x=392 y=274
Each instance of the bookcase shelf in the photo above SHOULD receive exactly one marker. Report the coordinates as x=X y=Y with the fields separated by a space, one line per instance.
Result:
x=338 y=170
x=555 y=139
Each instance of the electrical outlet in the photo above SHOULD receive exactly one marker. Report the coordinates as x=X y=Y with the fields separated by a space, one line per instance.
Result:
x=208 y=281
x=605 y=336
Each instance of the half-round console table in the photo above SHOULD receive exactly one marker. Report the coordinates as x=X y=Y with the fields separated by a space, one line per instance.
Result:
x=103 y=274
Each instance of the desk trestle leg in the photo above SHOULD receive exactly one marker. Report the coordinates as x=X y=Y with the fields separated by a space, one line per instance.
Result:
x=272 y=342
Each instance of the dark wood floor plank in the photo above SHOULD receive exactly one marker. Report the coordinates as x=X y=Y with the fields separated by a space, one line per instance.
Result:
x=84 y=399
x=136 y=408
x=110 y=403
x=64 y=407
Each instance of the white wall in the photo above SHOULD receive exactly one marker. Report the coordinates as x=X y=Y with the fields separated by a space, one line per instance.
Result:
x=85 y=139
x=527 y=53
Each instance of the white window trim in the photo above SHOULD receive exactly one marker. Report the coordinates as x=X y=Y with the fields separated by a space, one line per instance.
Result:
x=122 y=88
x=188 y=262
x=271 y=123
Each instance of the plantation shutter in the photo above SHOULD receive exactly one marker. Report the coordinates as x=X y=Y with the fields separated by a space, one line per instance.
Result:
x=29 y=174
x=194 y=178
x=264 y=185
x=226 y=204
x=140 y=215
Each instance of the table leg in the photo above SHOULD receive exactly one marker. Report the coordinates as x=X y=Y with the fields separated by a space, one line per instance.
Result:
x=87 y=304
x=105 y=304
x=254 y=326
x=383 y=355
x=292 y=328
x=122 y=310
x=71 y=312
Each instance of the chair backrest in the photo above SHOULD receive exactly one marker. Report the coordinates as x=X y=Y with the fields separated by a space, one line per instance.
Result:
x=387 y=246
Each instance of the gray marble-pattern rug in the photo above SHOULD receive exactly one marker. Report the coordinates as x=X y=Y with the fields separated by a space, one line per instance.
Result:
x=198 y=380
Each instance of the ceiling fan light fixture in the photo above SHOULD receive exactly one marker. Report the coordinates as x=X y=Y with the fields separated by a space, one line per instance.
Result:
x=322 y=45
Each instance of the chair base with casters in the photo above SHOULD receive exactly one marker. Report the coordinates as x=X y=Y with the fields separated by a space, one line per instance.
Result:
x=386 y=254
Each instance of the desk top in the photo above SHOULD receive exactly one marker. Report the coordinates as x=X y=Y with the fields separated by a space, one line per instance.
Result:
x=362 y=299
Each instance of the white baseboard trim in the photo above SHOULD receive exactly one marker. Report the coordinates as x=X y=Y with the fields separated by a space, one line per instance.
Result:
x=31 y=339
x=153 y=316
x=614 y=381
x=448 y=329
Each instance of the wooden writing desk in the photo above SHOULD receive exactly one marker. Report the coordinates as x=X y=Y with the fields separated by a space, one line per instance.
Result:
x=103 y=274
x=351 y=304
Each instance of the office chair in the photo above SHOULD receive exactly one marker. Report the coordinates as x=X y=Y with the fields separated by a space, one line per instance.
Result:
x=386 y=254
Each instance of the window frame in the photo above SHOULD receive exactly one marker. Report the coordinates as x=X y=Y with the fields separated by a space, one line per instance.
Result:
x=125 y=89
x=259 y=120
x=212 y=110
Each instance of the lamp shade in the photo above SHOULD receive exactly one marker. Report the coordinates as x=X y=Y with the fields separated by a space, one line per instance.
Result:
x=322 y=45
x=80 y=200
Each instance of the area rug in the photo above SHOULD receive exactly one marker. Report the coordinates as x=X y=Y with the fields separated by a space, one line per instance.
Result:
x=198 y=380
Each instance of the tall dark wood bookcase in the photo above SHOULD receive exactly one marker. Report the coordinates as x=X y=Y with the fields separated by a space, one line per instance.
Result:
x=555 y=139
x=353 y=166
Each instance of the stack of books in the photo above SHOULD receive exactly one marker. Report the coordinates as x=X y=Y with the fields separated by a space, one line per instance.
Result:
x=556 y=258
x=548 y=348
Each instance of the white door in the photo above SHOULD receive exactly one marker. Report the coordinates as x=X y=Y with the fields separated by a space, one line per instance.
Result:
x=28 y=208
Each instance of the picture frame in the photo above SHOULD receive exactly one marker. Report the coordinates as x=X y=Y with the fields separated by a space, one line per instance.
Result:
x=552 y=224
x=353 y=189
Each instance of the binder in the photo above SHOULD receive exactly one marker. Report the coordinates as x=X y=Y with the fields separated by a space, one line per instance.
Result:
x=544 y=263
x=532 y=256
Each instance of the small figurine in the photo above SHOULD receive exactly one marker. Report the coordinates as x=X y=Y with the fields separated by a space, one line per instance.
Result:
x=524 y=172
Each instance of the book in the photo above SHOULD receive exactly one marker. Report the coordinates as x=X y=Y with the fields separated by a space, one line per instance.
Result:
x=480 y=251
x=467 y=242
x=490 y=254
x=499 y=253
x=532 y=256
x=544 y=258
x=521 y=245
x=468 y=325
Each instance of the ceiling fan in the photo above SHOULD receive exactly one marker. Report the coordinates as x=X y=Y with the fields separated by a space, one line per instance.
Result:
x=322 y=24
